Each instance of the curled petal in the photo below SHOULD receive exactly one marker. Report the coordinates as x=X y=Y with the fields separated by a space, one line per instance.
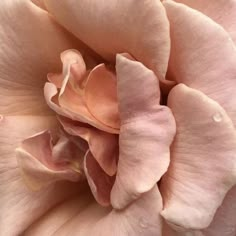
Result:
x=99 y=182
x=82 y=95
x=41 y=164
x=221 y=11
x=147 y=130
x=101 y=96
x=208 y=67
x=203 y=160
x=140 y=28
x=102 y=145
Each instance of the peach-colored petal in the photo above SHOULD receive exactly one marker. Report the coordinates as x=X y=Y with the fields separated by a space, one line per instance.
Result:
x=30 y=43
x=99 y=182
x=224 y=222
x=147 y=130
x=102 y=145
x=203 y=55
x=221 y=11
x=78 y=91
x=101 y=96
x=81 y=216
x=138 y=27
x=19 y=206
x=203 y=159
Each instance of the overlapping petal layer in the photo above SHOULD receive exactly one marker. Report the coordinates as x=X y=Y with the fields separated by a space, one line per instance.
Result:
x=19 y=206
x=146 y=132
x=140 y=28
x=203 y=55
x=81 y=216
x=30 y=45
x=203 y=160
x=81 y=95
x=221 y=11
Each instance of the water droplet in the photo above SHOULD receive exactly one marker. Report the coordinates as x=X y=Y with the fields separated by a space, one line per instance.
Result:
x=143 y=223
x=217 y=117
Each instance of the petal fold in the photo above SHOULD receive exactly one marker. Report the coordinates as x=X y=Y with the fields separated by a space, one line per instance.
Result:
x=147 y=130
x=203 y=160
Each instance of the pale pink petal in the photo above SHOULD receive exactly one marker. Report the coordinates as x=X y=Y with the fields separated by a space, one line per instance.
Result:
x=42 y=164
x=224 y=222
x=101 y=96
x=203 y=55
x=221 y=11
x=99 y=182
x=86 y=218
x=147 y=130
x=203 y=160
x=19 y=206
x=102 y=145
x=30 y=43
x=140 y=28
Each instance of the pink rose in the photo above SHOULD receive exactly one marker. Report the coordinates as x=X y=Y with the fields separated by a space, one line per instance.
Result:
x=128 y=134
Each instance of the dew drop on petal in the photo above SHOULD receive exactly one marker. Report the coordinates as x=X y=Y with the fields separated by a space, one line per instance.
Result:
x=217 y=117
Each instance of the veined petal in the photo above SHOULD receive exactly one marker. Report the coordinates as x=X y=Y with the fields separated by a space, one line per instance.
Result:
x=140 y=28
x=221 y=11
x=30 y=43
x=85 y=217
x=203 y=55
x=203 y=160
x=146 y=132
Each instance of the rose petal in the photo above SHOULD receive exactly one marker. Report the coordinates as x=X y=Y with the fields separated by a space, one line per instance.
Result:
x=102 y=145
x=224 y=222
x=221 y=11
x=39 y=161
x=28 y=49
x=147 y=130
x=101 y=96
x=86 y=218
x=203 y=159
x=99 y=182
x=140 y=28
x=204 y=60
x=19 y=206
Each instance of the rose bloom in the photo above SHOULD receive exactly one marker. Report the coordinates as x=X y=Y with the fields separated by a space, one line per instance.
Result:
x=117 y=117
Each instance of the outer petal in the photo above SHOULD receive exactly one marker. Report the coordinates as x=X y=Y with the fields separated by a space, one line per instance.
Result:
x=141 y=218
x=203 y=159
x=137 y=27
x=102 y=145
x=19 y=206
x=221 y=11
x=224 y=222
x=30 y=45
x=147 y=130
x=203 y=55
x=99 y=182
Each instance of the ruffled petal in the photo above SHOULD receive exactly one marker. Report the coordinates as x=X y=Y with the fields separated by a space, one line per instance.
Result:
x=221 y=11
x=147 y=130
x=42 y=164
x=203 y=55
x=102 y=145
x=83 y=216
x=19 y=206
x=203 y=160
x=81 y=95
x=29 y=48
x=100 y=183
x=140 y=28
